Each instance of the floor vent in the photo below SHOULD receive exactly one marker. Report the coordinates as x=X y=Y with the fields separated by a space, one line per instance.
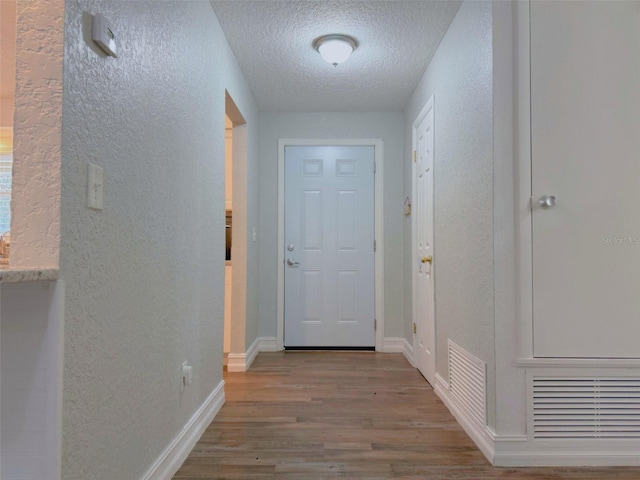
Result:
x=575 y=407
x=467 y=382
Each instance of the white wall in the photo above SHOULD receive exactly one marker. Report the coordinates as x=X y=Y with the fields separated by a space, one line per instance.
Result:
x=389 y=127
x=30 y=374
x=460 y=77
x=252 y=176
x=145 y=276
x=510 y=381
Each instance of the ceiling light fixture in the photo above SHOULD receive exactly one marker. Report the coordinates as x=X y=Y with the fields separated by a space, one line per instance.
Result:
x=335 y=48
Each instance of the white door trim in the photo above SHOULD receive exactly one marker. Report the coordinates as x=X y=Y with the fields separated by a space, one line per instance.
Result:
x=523 y=214
x=378 y=214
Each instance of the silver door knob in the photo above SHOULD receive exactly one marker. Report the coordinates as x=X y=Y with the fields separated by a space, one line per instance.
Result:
x=547 y=201
x=291 y=262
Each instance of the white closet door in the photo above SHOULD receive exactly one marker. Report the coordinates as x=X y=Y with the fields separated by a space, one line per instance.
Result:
x=585 y=134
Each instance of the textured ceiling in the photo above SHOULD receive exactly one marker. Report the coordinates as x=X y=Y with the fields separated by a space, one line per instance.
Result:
x=272 y=43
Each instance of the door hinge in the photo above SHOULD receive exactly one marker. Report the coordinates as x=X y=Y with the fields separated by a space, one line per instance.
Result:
x=375 y=324
x=375 y=245
x=374 y=167
x=415 y=329
x=414 y=155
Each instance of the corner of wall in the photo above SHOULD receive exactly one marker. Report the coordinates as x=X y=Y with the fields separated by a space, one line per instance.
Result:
x=510 y=414
x=37 y=157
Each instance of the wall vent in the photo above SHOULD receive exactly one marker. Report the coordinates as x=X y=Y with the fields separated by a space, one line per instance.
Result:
x=467 y=382
x=576 y=407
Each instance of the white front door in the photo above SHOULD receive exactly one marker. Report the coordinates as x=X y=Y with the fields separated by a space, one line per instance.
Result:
x=585 y=141
x=329 y=246
x=423 y=260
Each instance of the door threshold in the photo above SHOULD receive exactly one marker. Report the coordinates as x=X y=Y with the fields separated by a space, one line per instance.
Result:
x=351 y=349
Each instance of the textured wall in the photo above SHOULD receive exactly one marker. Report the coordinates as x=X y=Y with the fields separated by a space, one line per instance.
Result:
x=35 y=222
x=388 y=127
x=460 y=76
x=29 y=351
x=145 y=276
x=7 y=61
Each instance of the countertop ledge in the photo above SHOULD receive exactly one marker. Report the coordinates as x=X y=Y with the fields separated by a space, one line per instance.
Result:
x=15 y=275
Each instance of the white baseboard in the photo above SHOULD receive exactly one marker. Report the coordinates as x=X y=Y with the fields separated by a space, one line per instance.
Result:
x=178 y=450
x=520 y=451
x=399 y=345
x=393 y=344
x=480 y=434
x=267 y=344
x=240 y=362
x=567 y=459
x=237 y=362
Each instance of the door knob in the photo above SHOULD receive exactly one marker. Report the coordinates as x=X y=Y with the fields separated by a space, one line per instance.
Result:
x=291 y=262
x=547 y=201
x=428 y=259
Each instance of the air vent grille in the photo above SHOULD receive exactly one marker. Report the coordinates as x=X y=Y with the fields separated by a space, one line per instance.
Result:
x=573 y=408
x=467 y=382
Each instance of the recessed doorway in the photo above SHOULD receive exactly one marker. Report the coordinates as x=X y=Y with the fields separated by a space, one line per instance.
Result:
x=228 y=205
x=235 y=237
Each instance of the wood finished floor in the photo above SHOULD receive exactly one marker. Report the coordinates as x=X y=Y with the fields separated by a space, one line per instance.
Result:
x=338 y=415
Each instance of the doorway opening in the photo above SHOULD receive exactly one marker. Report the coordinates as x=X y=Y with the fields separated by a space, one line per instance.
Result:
x=228 y=205
x=235 y=236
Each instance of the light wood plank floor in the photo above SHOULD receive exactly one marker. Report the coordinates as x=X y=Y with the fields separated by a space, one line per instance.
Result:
x=330 y=415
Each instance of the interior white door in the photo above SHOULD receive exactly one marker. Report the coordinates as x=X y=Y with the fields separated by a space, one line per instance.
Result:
x=329 y=246
x=585 y=141
x=423 y=265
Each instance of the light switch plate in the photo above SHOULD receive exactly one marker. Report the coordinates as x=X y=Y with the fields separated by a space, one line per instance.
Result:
x=95 y=186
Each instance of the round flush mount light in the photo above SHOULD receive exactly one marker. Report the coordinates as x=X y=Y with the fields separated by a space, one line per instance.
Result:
x=335 y=48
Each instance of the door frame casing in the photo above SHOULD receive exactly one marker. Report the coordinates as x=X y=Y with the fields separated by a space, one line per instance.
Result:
x=524 y=230
x=236 y=357
x=378 y=229
x=426 y=109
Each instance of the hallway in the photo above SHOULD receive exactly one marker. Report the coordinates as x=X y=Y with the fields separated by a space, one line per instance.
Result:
x=312 y=415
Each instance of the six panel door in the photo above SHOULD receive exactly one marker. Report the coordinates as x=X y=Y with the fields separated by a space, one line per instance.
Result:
x=329 y=256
